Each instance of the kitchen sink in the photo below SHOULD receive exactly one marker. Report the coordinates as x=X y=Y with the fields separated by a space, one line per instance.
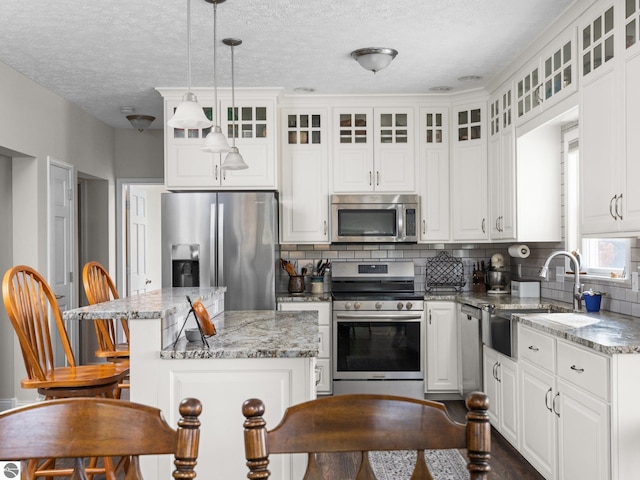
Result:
x=499 y=331
x=570 y=319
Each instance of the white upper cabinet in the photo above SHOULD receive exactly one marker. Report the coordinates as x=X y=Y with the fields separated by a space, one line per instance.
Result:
x=610 y=201
x=547 y=79
x=433 y=174
x=187 y=167
x=304 y=199
x=373 y=150
x=501 y=167
x=469 y=207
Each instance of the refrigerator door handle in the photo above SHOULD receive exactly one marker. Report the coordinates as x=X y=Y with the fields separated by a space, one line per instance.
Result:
x=212 y=245
x=220 y=244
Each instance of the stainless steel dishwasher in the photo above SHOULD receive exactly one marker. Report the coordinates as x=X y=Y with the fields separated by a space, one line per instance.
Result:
x=470 y=348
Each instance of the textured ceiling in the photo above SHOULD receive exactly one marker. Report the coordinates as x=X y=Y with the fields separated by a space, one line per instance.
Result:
x=103 y=55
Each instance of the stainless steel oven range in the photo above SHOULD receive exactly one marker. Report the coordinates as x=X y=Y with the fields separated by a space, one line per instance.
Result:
x=378 y=343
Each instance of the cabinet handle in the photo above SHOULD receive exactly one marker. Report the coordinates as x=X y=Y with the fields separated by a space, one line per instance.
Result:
x=615 y=197
x=424 y=227
x=370 y=177
x=554 y=404
x=501 y=223
x=576 y=369
x=224 y=174
x=429 y=317
x=546 y=399
x=533 y=348
x=483 y=222
x=617 y=202
x=496 y=367
x=377 y=178
x=325 y=227
x=216 y=174
x=498 y=224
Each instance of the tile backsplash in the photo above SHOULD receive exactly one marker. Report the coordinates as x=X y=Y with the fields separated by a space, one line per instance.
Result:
x=619 y=298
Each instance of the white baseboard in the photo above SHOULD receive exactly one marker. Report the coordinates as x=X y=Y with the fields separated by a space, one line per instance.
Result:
x=9 y=403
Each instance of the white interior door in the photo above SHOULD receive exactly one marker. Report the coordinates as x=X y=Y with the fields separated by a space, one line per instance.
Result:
x=137 y=277
x=61 y=265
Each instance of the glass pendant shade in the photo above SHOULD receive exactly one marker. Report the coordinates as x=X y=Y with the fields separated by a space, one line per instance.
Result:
x=216 y=142
x=189 y=114
x=374 y=59
x=234 y=161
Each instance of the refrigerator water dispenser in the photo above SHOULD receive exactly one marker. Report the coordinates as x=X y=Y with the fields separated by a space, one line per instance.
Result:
x=185 y=265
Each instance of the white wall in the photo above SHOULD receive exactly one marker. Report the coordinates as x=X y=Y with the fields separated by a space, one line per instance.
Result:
x=36 y=124
x=6 y=246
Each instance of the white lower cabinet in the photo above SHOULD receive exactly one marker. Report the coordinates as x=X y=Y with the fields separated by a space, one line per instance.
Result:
x=324 y=383
x=564 y=407
x=442 y=347
x=501 y=385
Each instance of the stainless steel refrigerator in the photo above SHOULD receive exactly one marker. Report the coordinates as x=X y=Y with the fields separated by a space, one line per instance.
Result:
x=222 y=239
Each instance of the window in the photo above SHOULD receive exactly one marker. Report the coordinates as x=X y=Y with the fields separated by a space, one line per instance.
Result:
x=599 y=257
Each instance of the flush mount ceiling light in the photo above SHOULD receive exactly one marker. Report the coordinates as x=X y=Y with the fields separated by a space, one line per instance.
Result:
x=141 y=122
x=469 y=78
x=373 y=58
x=215 y=142
x=233 y=160
x=189 y=113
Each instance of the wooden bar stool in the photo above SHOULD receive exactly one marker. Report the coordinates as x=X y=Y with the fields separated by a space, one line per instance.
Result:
x=99 y=287
x=362 y=423
x=32 y=307
x=77 y=428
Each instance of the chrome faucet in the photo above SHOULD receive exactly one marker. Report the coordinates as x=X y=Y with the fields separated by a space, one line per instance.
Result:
x=577 y=289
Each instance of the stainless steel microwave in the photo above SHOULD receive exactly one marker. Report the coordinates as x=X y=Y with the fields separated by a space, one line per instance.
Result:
x=367 y=218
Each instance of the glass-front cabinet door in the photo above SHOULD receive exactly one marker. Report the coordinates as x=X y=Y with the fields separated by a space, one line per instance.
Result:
x=252 y=126
x=352 y=160
x=433 y=174
x=304 y=199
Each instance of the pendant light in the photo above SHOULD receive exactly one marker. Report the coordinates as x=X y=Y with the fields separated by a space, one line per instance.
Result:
x=233 y=160
x=215 y=142
x=189 y=113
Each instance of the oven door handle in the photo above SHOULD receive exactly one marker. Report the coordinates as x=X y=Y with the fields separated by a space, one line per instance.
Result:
x=378 y=317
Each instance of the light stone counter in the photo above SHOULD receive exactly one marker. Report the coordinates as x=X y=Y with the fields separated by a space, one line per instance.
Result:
x=255 y=334
x=151 y=305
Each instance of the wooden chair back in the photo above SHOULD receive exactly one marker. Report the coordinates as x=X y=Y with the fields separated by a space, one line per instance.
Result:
x=32 y=307
x=99 y=287
x=363 y=423
x=78 y=428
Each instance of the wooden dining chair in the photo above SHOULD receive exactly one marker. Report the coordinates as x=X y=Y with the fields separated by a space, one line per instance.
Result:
x=99 y=287
x=32 y=308
x=74 y=429
x=364 y=423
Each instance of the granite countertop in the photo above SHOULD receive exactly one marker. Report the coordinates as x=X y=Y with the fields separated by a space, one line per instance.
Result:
x=156 y=304
x=255 y=334
x=612 y=334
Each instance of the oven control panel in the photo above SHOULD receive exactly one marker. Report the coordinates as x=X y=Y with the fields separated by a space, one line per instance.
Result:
x=378 y=305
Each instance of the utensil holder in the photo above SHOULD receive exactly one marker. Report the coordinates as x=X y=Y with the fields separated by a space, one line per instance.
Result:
x=592 y=302
x=296 y=284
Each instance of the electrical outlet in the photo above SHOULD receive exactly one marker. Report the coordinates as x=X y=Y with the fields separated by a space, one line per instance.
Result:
x=634 y=281
x=560 y=274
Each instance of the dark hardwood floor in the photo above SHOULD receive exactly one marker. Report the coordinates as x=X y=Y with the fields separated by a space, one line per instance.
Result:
x=506 y=462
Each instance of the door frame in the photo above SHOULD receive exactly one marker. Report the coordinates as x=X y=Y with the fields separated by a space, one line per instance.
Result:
x=72 y=329
x=122 y=184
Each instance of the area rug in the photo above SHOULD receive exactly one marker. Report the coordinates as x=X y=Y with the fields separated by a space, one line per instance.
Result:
x=398 y=465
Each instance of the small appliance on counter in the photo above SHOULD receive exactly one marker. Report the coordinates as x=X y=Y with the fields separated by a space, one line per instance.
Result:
x=525 y=288
x=497 y=276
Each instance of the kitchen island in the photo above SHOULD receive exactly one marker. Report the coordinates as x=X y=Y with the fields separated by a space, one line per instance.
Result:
x=270 y=355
